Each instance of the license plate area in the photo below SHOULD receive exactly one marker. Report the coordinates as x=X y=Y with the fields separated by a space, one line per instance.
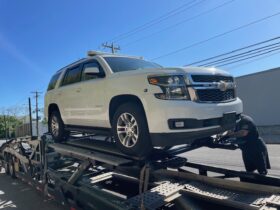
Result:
x=229 y=120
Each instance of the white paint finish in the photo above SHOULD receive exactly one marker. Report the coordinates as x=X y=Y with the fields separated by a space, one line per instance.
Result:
x=159 y=111
x=90 y=106
x=260 y=93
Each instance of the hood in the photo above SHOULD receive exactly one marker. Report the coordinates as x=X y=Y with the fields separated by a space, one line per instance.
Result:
x=179 y=70
x=201 y=70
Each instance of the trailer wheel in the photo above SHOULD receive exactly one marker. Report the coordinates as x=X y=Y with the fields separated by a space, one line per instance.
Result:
x=56 y=127
x=12 y=168
x=130 y=130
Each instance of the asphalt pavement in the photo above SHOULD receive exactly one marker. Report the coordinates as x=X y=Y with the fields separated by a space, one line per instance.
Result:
x=232 y=159
x=14 y=194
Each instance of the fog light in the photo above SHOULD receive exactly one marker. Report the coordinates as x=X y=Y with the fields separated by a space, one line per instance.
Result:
x=179 y=124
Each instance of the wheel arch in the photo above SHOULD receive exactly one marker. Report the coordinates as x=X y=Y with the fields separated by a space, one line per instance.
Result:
x=51 y=108
x=118 y=100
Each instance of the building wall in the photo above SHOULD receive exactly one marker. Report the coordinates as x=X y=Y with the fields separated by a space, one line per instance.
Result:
x=260 y=93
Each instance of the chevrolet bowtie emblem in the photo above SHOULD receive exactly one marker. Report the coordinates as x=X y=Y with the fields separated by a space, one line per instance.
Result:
x=223 y=86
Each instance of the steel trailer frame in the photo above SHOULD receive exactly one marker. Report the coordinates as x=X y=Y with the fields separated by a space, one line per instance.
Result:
x=86 y=174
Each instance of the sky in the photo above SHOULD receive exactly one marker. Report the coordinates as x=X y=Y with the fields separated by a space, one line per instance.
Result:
x=39 y=37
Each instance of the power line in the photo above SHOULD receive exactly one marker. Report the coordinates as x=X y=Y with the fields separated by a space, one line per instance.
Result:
x=244 y=54
x=254 y=60
x=217 y=36
x=233 y=51
x=237 y=61
x=181 y=22
x=157 y=20
x=149 y=22
x=240 y=56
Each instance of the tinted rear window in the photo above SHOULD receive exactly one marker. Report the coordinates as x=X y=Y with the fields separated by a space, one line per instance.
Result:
x=119 y=64
x=53 y=81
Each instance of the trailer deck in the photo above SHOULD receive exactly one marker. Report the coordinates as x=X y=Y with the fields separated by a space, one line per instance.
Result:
x=86 y=174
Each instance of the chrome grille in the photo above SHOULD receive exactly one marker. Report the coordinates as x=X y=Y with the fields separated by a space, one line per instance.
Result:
x=215 y=95
x=211 y=78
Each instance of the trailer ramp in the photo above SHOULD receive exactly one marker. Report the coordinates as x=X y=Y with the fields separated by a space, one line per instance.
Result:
x=86 y=175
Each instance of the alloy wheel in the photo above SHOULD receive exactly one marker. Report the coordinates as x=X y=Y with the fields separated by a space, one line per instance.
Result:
x=127 y=130
x=55 y=126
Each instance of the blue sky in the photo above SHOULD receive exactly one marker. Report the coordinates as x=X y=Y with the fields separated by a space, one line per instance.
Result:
x=39 y=37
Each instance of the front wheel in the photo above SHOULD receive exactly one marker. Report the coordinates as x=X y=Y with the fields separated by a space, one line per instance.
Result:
x=56 y=127
x=130 y=130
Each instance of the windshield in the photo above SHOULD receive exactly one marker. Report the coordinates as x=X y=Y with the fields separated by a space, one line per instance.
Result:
x=119 y=64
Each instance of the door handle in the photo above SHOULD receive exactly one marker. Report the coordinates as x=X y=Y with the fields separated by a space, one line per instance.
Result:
x=78 y=90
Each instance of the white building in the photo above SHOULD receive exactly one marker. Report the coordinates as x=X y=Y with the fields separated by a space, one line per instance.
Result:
x=260 y=93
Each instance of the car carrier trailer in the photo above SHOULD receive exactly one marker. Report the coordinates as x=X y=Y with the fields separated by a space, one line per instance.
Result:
x=83 y=173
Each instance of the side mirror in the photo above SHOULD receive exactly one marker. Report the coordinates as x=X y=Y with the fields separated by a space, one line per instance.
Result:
x=92 y=71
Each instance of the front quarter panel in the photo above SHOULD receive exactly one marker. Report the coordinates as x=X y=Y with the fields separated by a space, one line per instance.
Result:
x=136 y=85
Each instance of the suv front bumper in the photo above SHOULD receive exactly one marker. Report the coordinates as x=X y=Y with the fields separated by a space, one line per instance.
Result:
x=201 y=120
x=172 y=139
x=177 y=138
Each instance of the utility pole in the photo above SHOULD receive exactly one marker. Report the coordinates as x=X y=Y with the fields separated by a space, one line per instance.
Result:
x=114 y=48
x=5 y=125
x=37 y=94
x=7 y=122
x=30 y=117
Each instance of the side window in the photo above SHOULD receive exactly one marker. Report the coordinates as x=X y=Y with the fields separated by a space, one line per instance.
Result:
x=72 y=76
x=53 y=82
x=88 y=77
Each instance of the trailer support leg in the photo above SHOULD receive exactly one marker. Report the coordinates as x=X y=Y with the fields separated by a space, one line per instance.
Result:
x=144 y=182
x=75 y=176
x=203 y=172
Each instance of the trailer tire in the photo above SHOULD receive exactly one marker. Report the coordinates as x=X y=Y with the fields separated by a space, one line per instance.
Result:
x=12 y=168
x=131 y=131
x=57 y=128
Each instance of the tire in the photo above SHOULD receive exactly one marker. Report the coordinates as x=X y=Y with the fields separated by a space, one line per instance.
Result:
x=130 y=130
x=12 y=168
x=57 y=128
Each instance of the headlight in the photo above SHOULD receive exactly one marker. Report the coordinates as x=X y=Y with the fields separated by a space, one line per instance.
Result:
x=173 y=87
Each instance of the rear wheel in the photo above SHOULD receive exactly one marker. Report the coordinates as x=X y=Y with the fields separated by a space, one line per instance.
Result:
x=56 y=127
x=130 y=130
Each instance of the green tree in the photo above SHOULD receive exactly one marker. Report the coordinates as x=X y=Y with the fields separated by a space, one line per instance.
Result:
x=11 y=123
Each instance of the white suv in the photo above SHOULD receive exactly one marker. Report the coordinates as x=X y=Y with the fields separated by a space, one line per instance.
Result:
x=140 y=103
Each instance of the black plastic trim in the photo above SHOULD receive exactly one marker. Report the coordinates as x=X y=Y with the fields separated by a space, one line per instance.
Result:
x=172 y=139
x=191 y=123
